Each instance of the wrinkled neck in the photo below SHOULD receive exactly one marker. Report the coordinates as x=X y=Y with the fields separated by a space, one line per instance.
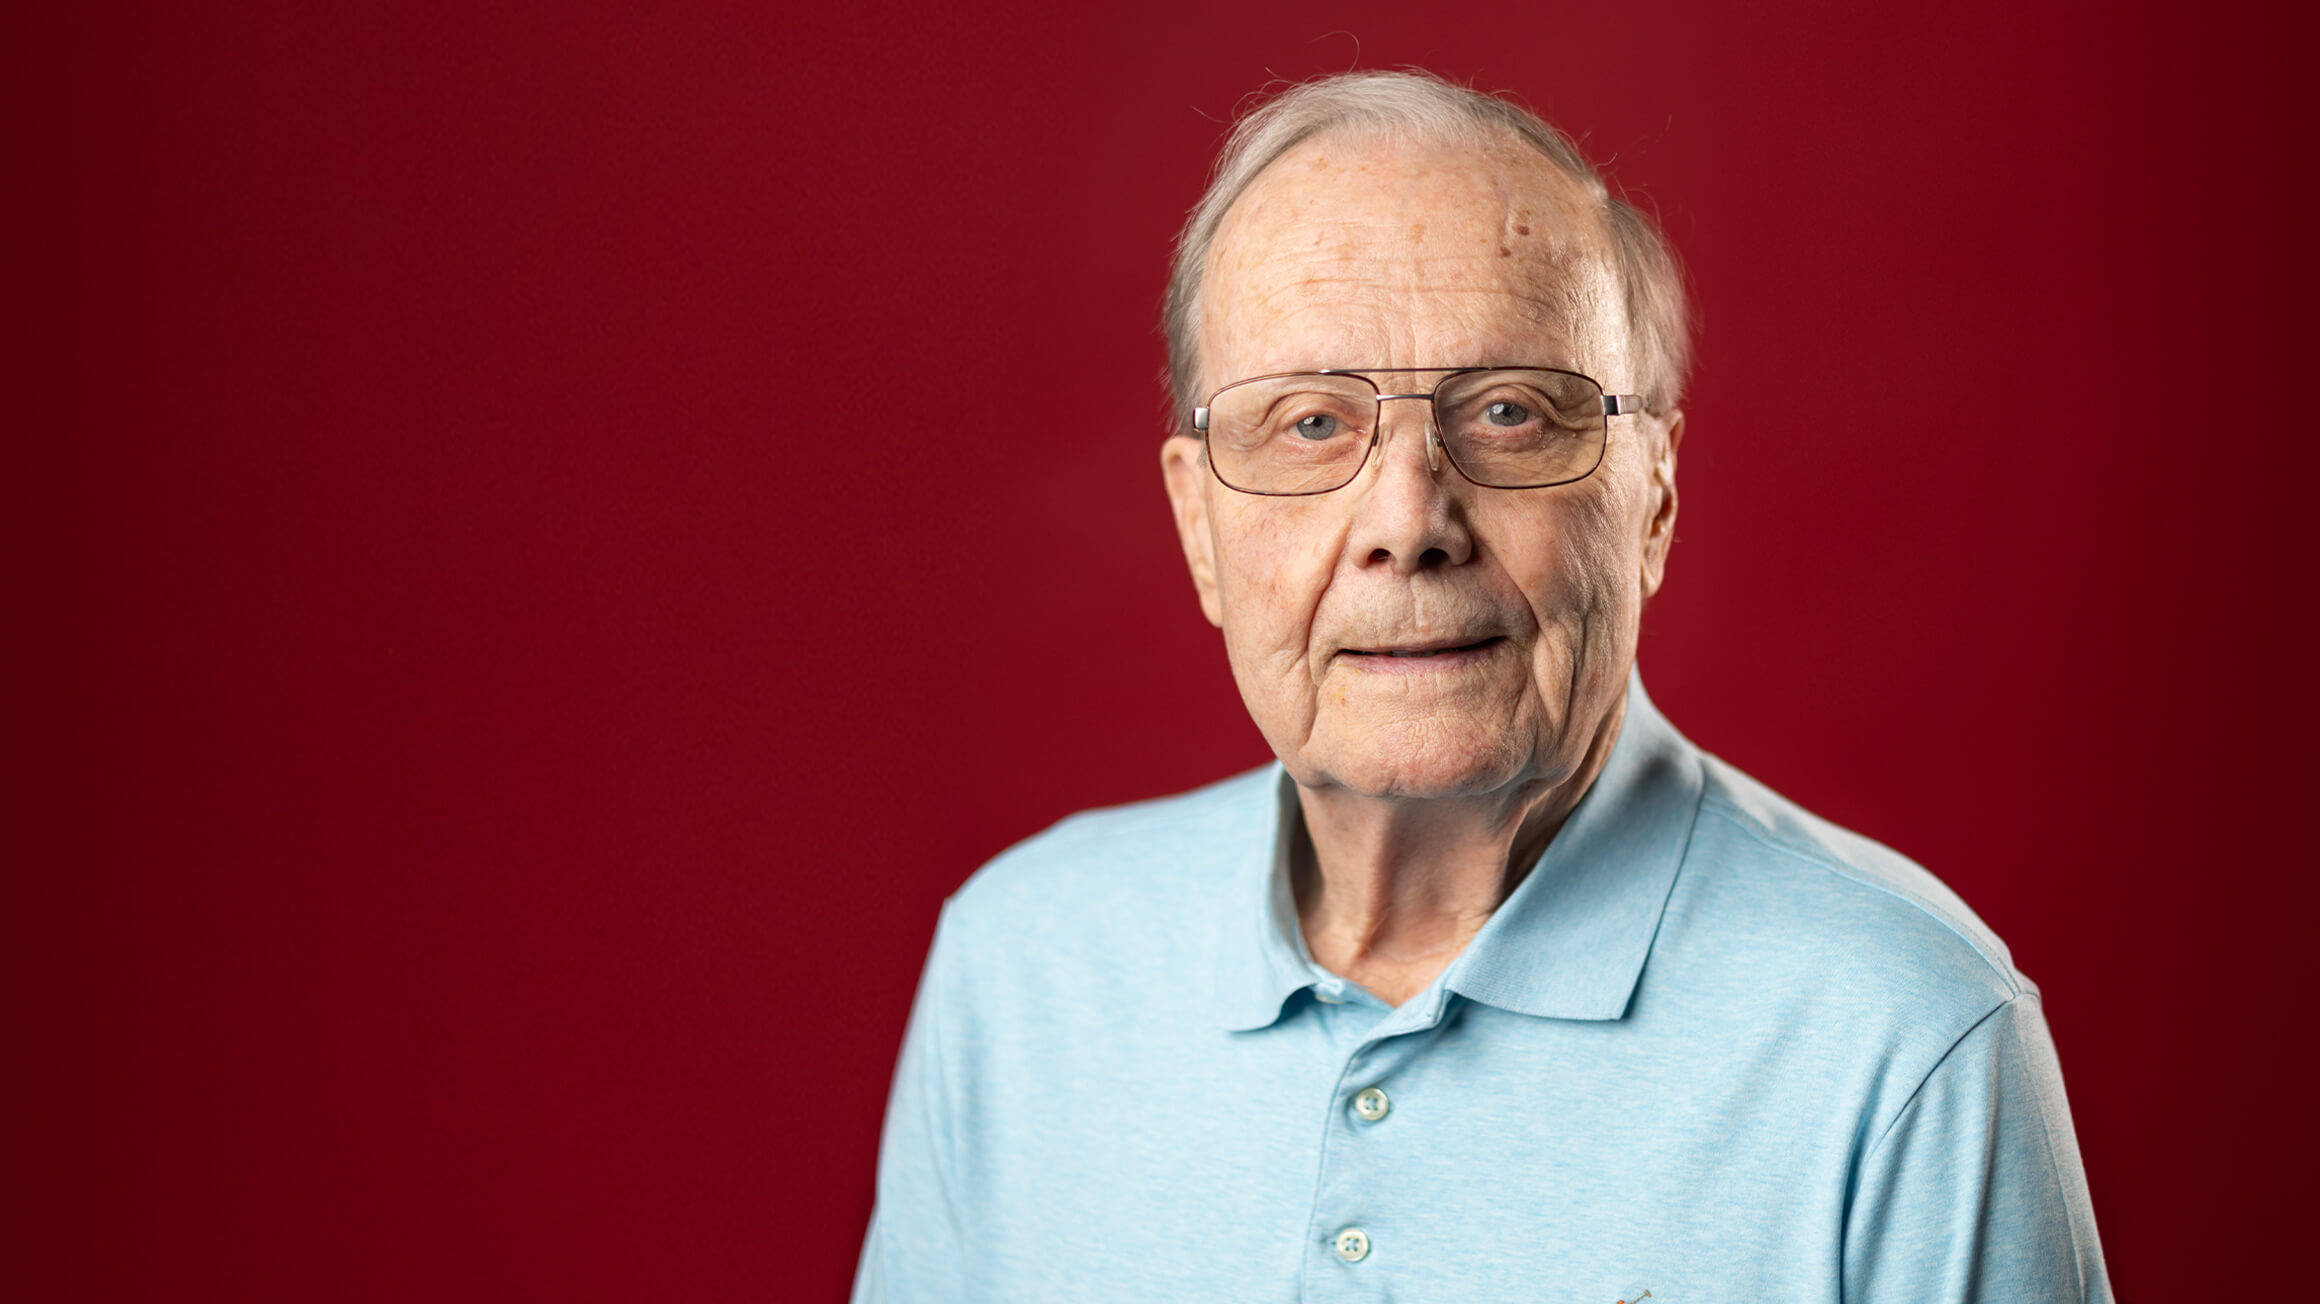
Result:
x=1390 y=890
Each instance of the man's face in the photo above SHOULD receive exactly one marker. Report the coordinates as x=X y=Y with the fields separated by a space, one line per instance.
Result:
x=1521 y=605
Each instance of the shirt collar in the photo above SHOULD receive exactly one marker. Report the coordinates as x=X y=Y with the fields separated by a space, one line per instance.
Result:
x=1571 y=940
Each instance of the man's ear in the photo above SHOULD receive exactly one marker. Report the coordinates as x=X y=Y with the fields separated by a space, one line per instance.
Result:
x=1660 y=530
x=1183 y=462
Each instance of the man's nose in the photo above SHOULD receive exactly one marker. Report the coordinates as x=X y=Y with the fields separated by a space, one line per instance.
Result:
x=1410 y=514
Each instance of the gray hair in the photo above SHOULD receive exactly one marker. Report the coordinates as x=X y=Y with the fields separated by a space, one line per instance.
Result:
x=1421 y=104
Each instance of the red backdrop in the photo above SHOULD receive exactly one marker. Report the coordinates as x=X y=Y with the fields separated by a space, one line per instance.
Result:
x=550 y=540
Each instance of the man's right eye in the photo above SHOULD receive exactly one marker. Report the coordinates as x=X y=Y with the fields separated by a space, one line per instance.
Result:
x=1316 y=427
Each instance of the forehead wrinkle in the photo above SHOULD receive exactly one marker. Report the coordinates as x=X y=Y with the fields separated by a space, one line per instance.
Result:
x=1347 y=308
x=1458 y=246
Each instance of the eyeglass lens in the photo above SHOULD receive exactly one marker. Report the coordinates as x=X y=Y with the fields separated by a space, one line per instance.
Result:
x=1310 y=433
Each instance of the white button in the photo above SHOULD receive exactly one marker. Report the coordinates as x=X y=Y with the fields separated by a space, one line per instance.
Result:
x=1353 y=1245
x=1327 y=996
x=1372 y=1105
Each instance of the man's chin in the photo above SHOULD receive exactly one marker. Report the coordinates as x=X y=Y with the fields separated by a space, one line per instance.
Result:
x=1415 y=769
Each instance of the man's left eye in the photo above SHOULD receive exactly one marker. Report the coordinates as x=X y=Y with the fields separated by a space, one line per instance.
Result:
x=1506 y=414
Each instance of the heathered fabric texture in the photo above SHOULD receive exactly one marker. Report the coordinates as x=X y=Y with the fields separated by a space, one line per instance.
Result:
x=1712 y=1047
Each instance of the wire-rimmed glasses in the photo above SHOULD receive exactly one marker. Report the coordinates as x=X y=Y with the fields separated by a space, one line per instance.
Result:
x=1308 y=432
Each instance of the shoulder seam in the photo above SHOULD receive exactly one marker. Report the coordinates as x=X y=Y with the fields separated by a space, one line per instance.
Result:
x=1755 y=830
x=2046 y=1129
x=1919 y=1090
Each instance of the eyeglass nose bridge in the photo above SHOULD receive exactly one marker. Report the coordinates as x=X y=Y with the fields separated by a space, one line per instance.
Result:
x=1433 y=429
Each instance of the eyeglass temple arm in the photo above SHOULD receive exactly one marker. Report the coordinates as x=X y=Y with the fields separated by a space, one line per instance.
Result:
x=1614 y=405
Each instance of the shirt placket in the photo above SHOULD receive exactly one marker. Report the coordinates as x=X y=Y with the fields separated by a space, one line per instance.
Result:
x=1351 y=1247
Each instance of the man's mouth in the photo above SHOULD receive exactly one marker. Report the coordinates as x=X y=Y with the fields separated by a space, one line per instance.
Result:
x=1417 y=651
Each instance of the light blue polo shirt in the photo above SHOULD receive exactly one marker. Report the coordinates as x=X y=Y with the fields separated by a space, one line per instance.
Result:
x=1712 y=1048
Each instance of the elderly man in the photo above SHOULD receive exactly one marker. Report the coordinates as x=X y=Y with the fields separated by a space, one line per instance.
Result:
x=1494 y=987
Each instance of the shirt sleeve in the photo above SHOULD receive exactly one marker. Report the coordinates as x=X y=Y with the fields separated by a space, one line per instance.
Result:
x=914 y=1249
x=1975 y=1193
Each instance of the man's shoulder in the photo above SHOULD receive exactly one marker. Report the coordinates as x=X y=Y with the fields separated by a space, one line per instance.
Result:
x=1124 y=862
x=1847 y=908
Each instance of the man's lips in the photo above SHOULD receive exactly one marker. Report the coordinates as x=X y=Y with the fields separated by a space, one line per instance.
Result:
x=1401 y=651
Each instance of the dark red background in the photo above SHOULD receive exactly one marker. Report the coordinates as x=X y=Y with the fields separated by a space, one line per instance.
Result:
x=549 y=540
